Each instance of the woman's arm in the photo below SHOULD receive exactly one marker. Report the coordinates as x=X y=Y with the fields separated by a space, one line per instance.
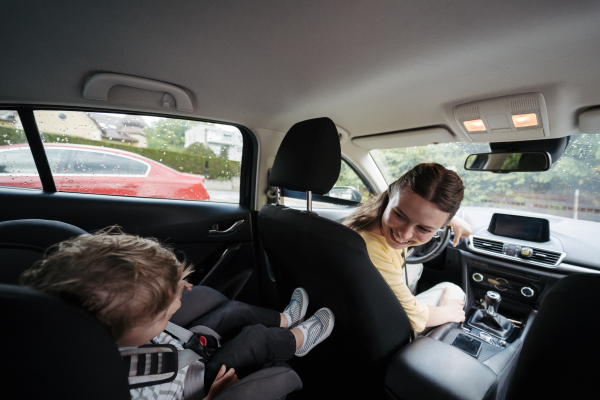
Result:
x=448 y=310
x=461 y=229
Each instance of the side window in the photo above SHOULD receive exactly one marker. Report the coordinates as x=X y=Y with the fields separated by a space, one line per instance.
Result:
x=17 y=167
x=349 y=186
x=136 y=155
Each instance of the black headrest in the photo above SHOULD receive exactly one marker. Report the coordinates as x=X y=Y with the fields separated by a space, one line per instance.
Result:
x=309 y=157
x=38 y=233
x=561 y=344
x=54 y=350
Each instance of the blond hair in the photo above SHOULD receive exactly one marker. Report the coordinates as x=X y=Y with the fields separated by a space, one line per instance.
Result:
x=123 y=280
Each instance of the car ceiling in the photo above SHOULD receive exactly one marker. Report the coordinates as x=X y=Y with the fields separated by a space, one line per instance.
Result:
x=371 y=66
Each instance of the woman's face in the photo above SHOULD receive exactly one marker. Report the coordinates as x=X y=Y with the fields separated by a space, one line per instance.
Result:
x=409 y=220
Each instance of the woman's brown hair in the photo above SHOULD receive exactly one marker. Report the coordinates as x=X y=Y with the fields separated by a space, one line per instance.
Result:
x=123 y=280
x=431 y=181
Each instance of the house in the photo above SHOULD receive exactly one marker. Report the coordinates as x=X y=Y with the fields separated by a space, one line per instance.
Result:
x=119 y=128
x=224 y=142
x=71 y=123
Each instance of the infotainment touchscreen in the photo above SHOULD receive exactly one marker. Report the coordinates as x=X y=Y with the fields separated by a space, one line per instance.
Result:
x=518 y=227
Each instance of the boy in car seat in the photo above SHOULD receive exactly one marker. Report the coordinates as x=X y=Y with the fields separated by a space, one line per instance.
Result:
x=133 y=286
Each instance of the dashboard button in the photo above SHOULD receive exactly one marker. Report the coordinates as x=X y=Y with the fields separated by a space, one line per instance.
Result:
x=511 y=250
x=477 y=277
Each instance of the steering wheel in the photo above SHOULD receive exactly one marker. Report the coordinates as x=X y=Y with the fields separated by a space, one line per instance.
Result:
x=431 y=249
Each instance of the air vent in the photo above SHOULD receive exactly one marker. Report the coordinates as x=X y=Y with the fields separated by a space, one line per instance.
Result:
x=512 y=251
x=488 y=245
x=545 y=257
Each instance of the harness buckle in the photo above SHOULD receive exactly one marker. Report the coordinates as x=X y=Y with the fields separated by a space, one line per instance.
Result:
x=203 y=345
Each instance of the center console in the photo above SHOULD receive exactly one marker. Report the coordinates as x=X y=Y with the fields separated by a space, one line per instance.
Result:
x=472 y=360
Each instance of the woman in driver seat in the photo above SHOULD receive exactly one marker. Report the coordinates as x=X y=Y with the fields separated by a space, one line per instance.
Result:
x=408 y=214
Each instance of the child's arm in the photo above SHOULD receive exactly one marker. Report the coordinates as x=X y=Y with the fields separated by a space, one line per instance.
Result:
x=222 y=382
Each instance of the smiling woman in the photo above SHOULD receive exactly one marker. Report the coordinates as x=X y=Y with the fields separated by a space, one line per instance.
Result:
x=408 y=214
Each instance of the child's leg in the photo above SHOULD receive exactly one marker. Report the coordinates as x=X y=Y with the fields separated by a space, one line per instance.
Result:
x=229 y=319
x=248 y=351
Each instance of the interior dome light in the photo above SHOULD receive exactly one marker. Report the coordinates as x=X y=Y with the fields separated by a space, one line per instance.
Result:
x=523 y=120
x=475 y=125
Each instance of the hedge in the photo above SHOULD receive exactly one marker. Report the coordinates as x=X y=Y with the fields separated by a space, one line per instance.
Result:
x=210 y=167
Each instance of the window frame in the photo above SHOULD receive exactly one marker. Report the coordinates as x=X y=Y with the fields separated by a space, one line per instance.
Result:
x=248 y=166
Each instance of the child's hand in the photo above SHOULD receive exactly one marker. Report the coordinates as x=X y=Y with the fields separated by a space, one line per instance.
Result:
x=222 y=382
x=188 y=286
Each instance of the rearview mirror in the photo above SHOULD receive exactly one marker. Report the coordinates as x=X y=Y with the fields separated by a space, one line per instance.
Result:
x=509 y=162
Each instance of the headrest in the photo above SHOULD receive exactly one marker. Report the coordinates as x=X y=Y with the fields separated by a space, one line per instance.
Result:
x=309 y=157
x=55 y=350
x=38 y=233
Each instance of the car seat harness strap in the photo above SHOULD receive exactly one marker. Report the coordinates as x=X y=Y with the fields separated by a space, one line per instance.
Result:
x=154 y=364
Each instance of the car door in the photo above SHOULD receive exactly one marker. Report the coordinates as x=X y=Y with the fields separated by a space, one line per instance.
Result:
x=215 y=236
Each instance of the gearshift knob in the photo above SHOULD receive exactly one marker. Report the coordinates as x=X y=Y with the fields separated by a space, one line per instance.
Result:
x=492 y=299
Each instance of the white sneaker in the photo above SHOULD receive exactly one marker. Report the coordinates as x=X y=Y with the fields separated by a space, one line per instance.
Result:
x=296 y=310
x=316 y=329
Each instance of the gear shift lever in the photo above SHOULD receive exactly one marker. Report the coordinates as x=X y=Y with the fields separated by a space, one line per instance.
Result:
x=492 y=300
x=489 y=320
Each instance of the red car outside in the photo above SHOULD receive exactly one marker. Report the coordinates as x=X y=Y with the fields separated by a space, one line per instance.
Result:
x=91 y=169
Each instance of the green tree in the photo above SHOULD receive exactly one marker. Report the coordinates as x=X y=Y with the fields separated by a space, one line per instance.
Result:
x=168 y=134
x=200 y=150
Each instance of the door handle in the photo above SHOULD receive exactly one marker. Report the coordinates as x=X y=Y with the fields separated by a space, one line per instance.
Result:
x=228 y=230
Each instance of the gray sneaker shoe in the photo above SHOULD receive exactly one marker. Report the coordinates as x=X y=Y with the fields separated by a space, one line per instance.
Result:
x=296 y=310
x=316 y=329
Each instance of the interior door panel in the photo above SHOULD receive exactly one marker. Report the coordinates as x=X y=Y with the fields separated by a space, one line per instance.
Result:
x=224 y=261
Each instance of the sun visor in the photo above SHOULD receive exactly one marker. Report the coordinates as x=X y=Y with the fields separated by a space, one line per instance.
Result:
x=415 y=137
x=502 y=119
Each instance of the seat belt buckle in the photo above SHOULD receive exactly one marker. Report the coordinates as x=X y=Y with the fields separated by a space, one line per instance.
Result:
x=204 y=345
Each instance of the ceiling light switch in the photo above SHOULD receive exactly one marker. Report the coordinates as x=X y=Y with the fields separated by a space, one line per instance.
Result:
x=498 y=121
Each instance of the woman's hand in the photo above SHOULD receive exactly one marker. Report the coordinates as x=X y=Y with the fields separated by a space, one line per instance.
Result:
x=454 y=308
x=188 y=286
x=461 y=229
x=222 y=382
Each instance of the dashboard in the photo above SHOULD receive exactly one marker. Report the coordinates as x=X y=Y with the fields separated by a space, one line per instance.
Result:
x=573 y=244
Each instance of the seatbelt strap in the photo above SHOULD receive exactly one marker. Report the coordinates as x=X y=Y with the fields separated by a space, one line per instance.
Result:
x=179 y=332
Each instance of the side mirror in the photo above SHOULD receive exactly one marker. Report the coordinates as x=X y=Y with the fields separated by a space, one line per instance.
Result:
x=509 y=162
x=346 y=193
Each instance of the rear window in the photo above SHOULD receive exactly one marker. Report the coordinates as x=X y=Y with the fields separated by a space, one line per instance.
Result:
x=17 y=167
x=144 y=156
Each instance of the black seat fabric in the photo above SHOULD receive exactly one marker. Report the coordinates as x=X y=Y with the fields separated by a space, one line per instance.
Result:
x=331 y=262
x=23 y=242
x=53 y=350
x=559 y=359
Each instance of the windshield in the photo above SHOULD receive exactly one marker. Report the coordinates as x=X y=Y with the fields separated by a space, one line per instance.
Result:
x=571 y=188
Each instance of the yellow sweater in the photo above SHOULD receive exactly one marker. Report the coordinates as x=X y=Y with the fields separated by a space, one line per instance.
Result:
x=390 y=263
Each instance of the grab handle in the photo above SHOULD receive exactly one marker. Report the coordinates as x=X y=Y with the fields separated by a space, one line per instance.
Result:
x=96 y=87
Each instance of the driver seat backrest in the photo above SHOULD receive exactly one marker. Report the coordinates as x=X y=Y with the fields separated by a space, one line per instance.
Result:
x=24 y=241
x=331 y=262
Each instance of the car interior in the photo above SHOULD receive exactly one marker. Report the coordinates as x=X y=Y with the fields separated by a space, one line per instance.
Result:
x=244 y=134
